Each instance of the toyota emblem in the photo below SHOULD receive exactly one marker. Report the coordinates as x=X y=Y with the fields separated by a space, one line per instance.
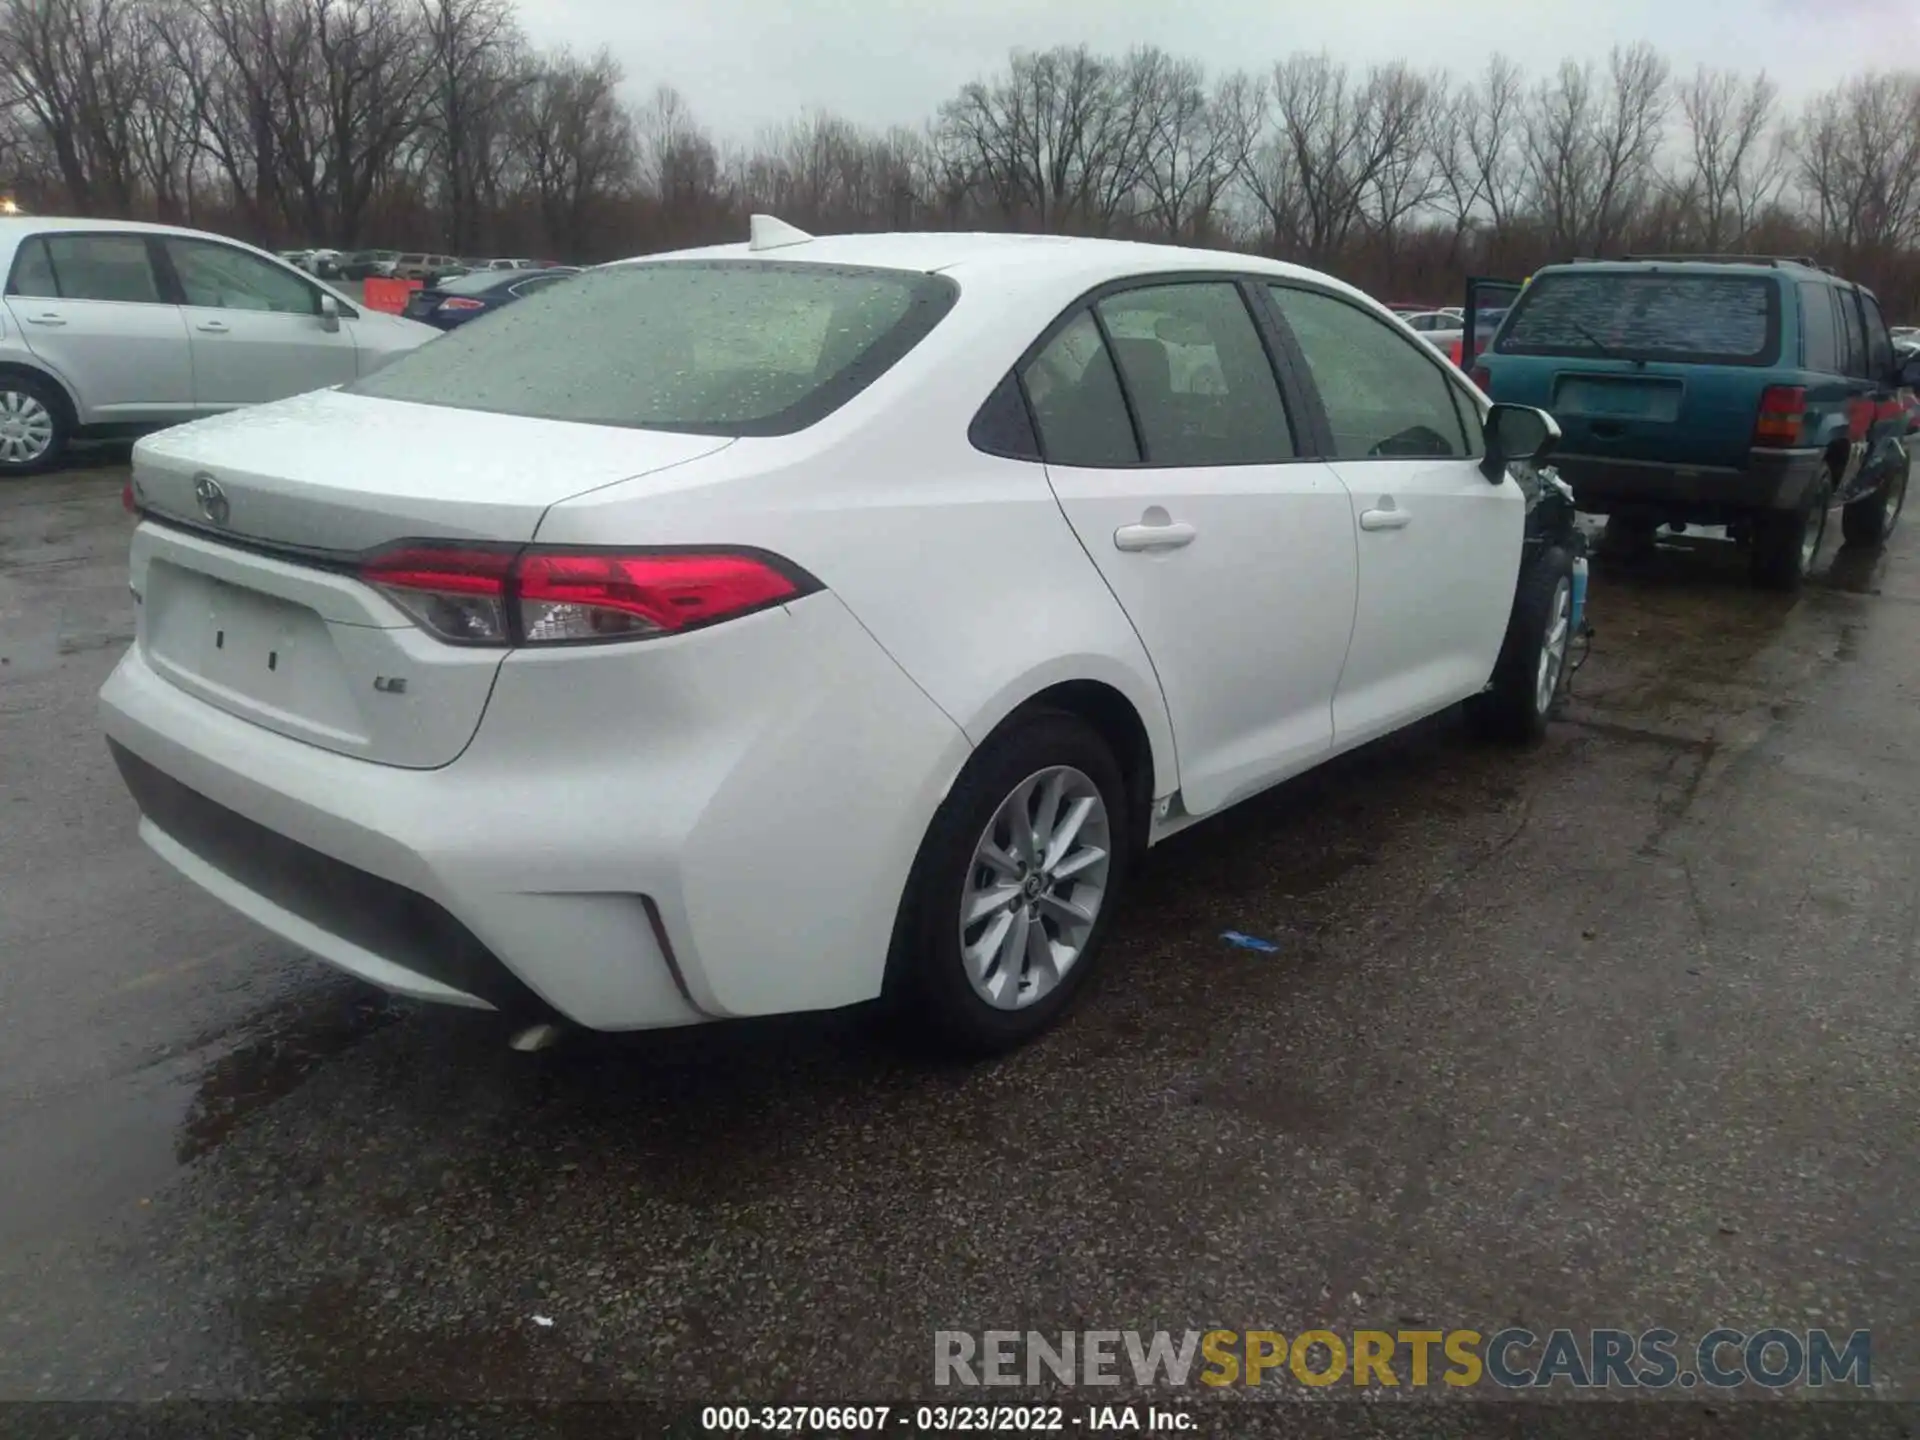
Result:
x=213 y=500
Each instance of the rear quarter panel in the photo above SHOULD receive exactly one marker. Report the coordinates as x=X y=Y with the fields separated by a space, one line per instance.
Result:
x=959 y=564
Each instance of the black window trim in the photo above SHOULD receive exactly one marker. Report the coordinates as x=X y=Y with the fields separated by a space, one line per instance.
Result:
x=42 y=236
x=1864 y=297
x=1292 y=397
x=1472 y=430
x=1847 y=297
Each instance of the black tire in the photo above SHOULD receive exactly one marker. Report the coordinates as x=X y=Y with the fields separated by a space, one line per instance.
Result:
x=926 y=974
x=43 y=397
x=1870 y=520
x=1511 y=709
x=1781 y=552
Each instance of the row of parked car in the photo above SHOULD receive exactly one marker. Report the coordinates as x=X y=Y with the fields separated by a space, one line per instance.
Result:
x=425 y=266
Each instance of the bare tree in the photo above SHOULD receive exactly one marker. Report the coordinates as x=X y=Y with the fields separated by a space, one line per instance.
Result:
x=1590 y=147
x=577 y=144
x=74 y=70
x=1736 y=156
x=474 y=62
x=1858 y=154
x=1055 y=142
x=1193 y=143
x=1337 y=157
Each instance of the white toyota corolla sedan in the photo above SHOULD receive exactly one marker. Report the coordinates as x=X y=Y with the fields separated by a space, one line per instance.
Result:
x=778 y=626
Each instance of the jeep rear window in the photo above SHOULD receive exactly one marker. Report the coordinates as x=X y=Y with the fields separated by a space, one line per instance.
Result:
x=722 y=347
x=1640 y=315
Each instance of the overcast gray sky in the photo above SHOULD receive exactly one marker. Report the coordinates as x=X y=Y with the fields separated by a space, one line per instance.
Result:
x=747 y=63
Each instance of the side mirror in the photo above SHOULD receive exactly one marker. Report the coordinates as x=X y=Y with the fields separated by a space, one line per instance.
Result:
x=329 y=314
x=1517 y=433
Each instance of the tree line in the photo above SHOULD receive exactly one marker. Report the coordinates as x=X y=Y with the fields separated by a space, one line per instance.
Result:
x=437 y=124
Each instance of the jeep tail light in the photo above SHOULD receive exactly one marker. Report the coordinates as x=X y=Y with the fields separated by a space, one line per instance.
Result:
x=483 y=595
x=1456 y=350
x=127 y=502
x=1481 y=377
x=461 y=302
x=1783 y=412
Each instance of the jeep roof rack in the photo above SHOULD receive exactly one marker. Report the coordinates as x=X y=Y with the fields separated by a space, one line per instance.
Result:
x=1806 y=261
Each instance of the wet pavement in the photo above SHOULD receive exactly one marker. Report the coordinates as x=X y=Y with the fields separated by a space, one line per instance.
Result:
x=1617 y=1031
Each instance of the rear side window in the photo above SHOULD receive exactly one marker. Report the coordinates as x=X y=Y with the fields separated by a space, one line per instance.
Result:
x=1879 y=343
x=1819 y=342
x=1202 y=388
x=1853 y=354
x=1648 y=315
x=720 y=347
x=1075 y=398
x=86 y=267
x=33 y=272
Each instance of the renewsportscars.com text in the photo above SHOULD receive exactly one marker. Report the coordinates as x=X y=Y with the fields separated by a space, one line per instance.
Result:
x=1511 y=1359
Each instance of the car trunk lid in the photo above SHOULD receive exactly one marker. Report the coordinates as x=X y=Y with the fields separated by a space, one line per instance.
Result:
x=341 y=473
x=248 y=595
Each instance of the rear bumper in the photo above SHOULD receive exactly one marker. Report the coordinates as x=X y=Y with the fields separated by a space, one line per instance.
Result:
x=723 y=828
x=1770 y=480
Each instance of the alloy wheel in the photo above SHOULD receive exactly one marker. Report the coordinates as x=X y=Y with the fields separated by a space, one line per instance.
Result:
x=1035 y=887
x=1553 y=646
x=26 y=428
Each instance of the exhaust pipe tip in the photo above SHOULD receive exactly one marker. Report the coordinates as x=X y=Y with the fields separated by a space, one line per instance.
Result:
x=534 y=1037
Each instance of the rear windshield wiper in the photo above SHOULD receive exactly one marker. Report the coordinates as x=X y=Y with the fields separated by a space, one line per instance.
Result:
x=1594 y=340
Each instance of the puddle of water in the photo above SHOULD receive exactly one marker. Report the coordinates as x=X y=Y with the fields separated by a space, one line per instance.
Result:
x=271 y=1061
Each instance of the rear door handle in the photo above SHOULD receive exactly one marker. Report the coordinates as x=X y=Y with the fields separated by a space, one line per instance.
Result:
x=46 y=320
x=1170 y=536
x=1385 y=519
x=212 y=327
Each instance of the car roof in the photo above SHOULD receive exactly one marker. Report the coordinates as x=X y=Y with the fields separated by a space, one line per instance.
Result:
x=1687 y=267
x=16 y=227
x=1036 y=259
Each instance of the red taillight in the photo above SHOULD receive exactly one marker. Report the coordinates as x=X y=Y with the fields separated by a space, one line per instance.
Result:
x=1481 y=377
x=458 y=593
x=591 y=596
x=461 y=303
x=1455 y=351
x=478 y=595
x=1783 y=409
x=126 y=498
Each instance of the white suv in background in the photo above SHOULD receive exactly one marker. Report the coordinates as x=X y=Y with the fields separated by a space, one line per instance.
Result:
x=109 y=327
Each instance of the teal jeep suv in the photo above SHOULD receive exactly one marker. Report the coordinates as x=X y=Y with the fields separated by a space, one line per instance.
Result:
x=1753 y=393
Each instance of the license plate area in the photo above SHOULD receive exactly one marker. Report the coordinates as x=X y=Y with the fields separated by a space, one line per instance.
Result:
x=1655 y=400
x=253 y=654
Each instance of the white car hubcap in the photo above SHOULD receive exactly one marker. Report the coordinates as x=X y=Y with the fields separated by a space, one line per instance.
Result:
x=26 y=428
x=1553 y=646
x=1035 y=887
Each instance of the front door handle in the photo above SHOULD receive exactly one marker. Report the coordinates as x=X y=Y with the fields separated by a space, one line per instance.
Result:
x=46 y=320
x=212 y=327
x=1170 y=535
x=1389 y=519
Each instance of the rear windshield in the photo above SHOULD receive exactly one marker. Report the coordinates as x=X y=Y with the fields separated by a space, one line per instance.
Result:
x=1698 y=319
x=719 y=347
